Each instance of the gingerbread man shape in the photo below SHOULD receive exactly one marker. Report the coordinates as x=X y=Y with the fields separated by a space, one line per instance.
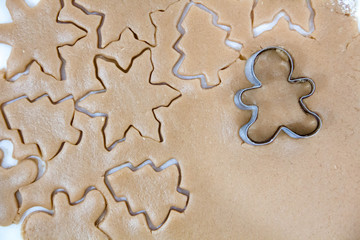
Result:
x=251 y=76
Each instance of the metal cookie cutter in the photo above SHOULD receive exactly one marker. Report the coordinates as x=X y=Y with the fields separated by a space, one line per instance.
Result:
x=250 y=75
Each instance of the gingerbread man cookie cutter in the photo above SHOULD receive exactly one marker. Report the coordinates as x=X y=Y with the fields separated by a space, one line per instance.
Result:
x=250 y=75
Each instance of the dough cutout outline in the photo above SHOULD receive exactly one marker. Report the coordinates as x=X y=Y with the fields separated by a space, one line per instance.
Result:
x=47 y=99
x=60 y=195
x=133 y=168
x=215 y=21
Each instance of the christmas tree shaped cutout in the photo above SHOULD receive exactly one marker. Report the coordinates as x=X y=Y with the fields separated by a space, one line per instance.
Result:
x=200 y=29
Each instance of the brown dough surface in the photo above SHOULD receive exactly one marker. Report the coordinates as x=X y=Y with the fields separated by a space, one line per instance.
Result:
x=290 y=189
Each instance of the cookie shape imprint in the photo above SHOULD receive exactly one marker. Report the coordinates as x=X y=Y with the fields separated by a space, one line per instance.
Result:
x=133 y=14
x=43 y=122
x=32 y=84
x=149 y=190
x=31 y=30
x=299 y=15
x=76 y=167
x=68 y=220
x=252 y=78
x=129 y=99
x=12 y=178
x=79 y=71
x=203 y=41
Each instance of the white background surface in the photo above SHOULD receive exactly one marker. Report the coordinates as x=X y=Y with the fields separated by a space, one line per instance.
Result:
x=13 y=232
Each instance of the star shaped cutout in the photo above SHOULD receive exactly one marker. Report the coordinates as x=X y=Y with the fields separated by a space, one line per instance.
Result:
x=129 y=99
